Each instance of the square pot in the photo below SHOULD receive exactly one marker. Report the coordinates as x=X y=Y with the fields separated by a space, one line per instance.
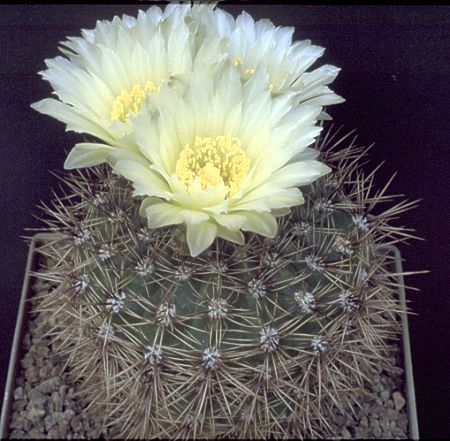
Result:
x=24 y=310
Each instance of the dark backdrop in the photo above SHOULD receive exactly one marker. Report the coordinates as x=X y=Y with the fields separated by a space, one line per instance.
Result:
x=395 y=73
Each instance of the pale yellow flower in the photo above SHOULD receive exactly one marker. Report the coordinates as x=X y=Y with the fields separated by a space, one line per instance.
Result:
x=108 y=73
x=250 y=44
x=222 y=157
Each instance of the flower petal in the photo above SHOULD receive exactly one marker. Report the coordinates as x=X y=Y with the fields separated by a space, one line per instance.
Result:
x=200 y=236
x=74 y=120
x=232 y=236
x=298 y=173
x=87 y=154
x=230 y=221
x=146 y=181
x=259 y=205
x=192 y=217
x=260 y=223
x=163 y=214
x=146 y=203
x=286 y=198
x=121 y=154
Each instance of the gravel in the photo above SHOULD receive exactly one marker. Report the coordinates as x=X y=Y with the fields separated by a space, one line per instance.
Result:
x=44 y=404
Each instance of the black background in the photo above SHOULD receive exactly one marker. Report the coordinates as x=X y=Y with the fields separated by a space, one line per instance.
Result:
x=395 y=74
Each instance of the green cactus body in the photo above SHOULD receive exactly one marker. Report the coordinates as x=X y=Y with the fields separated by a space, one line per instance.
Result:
x=244 y=341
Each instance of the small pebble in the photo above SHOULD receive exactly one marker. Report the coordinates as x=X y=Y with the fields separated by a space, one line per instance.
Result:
x=44 y=371
x=385 y=395
x=36 y=397
x=27 y=361
x=402 y=421
x=50 y=385
x=32 y=374
x=56 y=370
x=35 y=413
x=76 y=423
x=56 y=433
x=361 y=433
x=398 y=432
x=392 y=414
x=399 y=400
x=19 y=393
x=57 y=401
x=384 y=421
x=17 y=434
x=34 y=433
x=49 y=422
x=42 y=351
x=377 y=432
x=19 y=404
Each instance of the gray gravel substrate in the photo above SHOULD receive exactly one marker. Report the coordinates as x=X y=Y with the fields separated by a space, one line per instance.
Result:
x=44 y=405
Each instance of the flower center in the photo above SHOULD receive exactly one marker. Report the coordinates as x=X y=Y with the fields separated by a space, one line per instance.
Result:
x=131 y=101
x=213 y=162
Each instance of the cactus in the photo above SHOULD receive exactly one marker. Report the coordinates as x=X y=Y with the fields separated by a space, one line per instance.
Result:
x=246 y=341
x=215 y=276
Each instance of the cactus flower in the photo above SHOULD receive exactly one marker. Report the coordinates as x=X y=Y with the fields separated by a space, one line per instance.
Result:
x=223 y=157
x=105 y=76
x=251 y=43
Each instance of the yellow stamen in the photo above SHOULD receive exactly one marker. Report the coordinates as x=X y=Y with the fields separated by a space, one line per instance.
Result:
x=215 y=162
x=131 y=101
x=249 y=72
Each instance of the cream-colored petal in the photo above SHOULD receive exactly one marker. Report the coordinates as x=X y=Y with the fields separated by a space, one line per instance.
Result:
x=258 y=193
x=74 y=120
x=152 y=200
x=169 y=143
x=87 y=155
x=210 y=199
x=326 y=98
x=200 y=236
x=306 y=155
x=121 y=154
x=258 y=205
x=146 y=182
x=145 y=137
x=260 y=223
x=192 y=217
x=230 y=221
x=298 y=173
x=163 y=214
x=286 y=198
x=232 y=236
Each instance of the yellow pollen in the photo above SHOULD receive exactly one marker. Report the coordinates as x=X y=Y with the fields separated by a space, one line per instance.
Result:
x=248 y=72
x=131 y=101
x=214 y=162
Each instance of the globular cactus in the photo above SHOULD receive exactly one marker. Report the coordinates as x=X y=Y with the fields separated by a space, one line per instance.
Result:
x=215 y=276
x=247 y=341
